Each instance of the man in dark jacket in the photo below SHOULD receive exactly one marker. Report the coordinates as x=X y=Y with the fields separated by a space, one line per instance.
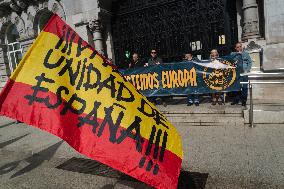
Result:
x=135 y=62
x=154 y=59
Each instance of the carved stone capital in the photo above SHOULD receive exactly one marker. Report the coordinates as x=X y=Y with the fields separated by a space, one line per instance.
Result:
x=251 y=27
x=18 y=5
x=21 y=4
x=95 y=25
x=14 y=7
x=252 y=46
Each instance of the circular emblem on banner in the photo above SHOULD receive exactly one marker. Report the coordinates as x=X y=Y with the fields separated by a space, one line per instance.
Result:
x=220 y=79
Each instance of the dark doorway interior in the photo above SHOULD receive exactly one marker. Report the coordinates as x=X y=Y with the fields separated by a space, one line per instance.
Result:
x=173 y=27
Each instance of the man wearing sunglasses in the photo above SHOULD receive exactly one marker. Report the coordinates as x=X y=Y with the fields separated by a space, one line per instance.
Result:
x=154 y=59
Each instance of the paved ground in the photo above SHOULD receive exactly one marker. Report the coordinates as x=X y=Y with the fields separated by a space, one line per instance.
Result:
x=222 y=156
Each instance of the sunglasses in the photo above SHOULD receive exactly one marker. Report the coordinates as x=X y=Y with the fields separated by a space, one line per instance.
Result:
x=153 y=52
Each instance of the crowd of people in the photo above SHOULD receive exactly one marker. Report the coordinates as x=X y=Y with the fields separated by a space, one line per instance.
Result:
x=216 y=98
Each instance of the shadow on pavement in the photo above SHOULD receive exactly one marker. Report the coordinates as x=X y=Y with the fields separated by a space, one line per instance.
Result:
x=6 y=125
x=3 y=144
x=192 y=180
x=37 y=159
x=108 y=186
x=9 y=167
x=187 y=180
x=34 y=161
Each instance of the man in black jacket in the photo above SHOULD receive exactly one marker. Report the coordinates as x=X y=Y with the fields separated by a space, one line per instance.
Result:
x=154 y=59
x=135 y=62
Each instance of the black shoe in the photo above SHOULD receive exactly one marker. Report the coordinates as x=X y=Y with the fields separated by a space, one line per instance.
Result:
x=189 y=104
x=244 y=103
x=158 y=101
x=164 y=104
x=235 y=103
x=213 y=103
x=196 y=103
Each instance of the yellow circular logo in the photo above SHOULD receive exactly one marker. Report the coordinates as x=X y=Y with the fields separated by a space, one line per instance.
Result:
x=220 y=79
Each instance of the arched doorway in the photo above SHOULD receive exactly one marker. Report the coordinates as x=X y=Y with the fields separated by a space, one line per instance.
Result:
x=41 y=19
x=173 y=27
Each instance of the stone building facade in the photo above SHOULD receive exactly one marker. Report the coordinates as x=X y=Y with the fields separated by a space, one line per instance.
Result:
x=260 y=25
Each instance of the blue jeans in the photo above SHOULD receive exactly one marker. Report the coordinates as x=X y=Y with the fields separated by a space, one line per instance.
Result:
x=243 y=94
x=193 y=98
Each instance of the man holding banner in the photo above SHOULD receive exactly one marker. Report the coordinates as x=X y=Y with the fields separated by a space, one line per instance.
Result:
x=244 y=65
x=135 y=62
x=191 y=98
x=216 y=97
x=152 y=61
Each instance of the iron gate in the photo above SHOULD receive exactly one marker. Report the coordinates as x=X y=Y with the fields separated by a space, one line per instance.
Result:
x=173 y=27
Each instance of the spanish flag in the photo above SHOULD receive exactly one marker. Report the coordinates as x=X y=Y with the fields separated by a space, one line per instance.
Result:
x=63 y=86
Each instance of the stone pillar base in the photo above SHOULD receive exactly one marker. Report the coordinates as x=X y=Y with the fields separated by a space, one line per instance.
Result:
x=250 y=20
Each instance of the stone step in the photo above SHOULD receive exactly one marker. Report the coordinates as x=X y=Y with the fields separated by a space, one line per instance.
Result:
x=195 y=120
x=266 y=111
x=268 y=92
x=201 y=115
x=203 y=124
x=205 y=108
x=265 y=116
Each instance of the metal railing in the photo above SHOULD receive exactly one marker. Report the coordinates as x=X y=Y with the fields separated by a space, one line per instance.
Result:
x=260 y=76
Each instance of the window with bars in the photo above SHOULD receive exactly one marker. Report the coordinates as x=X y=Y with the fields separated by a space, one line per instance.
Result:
x=14 y=53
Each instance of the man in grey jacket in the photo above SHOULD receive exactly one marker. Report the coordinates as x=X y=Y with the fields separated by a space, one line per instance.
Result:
x=244 y=66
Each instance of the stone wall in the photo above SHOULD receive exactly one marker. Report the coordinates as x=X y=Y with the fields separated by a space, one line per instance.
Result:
x=274 y=21
x=3 y=72
x=27 y=18
x=274 y=34
x=24 y=18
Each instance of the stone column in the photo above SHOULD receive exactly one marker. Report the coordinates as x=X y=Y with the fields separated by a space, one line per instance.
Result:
x=250 y=20
x=96 y=27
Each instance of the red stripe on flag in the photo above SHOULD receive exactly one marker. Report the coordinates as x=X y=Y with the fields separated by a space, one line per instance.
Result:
x=122 y=156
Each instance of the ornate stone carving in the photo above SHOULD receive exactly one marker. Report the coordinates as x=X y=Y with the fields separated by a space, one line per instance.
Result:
x=95 y=25
x=250 y=27
x=19 y=23
x=29 y=25
x=57 y=8
x=42 y=5
x=14 y=7
x=253 y=46
x=21 y=4
x=18 y=5
x=4 y=20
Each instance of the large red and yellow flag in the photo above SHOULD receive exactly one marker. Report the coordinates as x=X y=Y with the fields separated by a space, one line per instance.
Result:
x=66 y=88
